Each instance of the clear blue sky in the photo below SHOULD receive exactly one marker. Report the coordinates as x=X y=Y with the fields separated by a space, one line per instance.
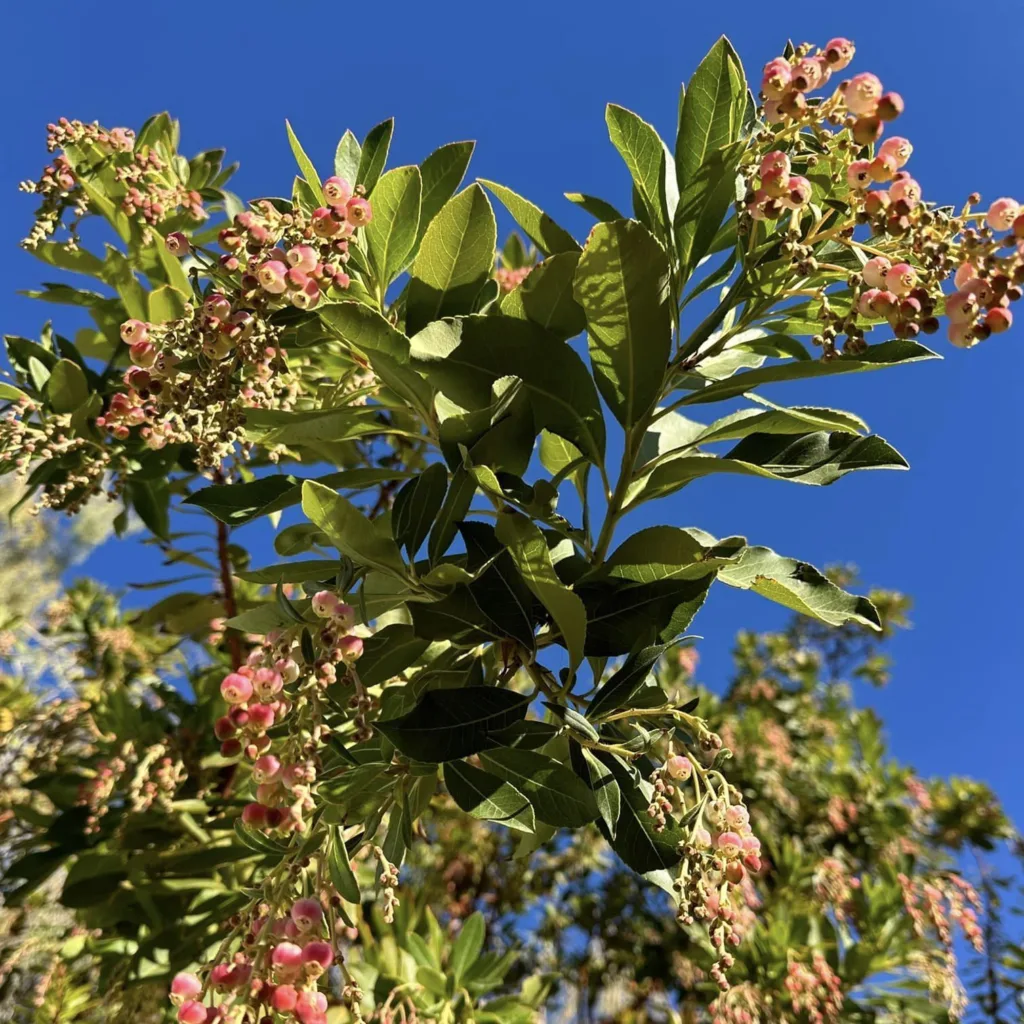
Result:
x=529 y=81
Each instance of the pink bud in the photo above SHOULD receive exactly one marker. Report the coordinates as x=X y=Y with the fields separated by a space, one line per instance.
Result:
x=224 y=728
x=287 y=669
x=998 y=320
x=905 y=190
x=285 y=998
x=701 y=838
x=807 y=75
x=964 y=273
x=350 y=648
x=265 y=768
x=839 y=52
x=324 y=603
x=890 y=106
x=358 y=211
x=307 y=296
x=133 y=331
x=267 y=683
x=311 y=1007
x=217 y=305
x=858 y=175
x=307 y=913
x=874 y=271
x=774 y=162
x=177 y=244
x=143 y=353
x=898 y=148
x=775 y=182
x=192 y=1013
x=961 y=334
x=901 y=278
x=876 y=303
x=776 y=78
x=254 y=815
x=318 y=952
x=236 y=689
x=271 y=276
x=883 y=168
x=287 y=956
x=862 y=93
x=798 y=192
x=1002 y=213
x=867 y=130
x=302 y=257
x=337 y=191
x=185 y=986
x=267 y=792
x=737 y=816
x=261 y=717
x=729 y=844
x=221 y=975
x=325 y=225
x=679 y=767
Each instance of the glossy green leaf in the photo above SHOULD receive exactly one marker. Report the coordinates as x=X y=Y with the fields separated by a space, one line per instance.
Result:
x=67 y=387
x=618 y=689
x=391 y=234
x=645 y=155
x=622 y=285
x=346 y=158
x=350 y=531
x=558 y=795
x=373 y=155
x=799 y=586
x=606 y=792
x=305 y=164
x=450 y=724
x=364 y=328
x=597 y=208
x=485 y=796
x=548 y=236
x=389 y=652
x=454 y=260
x=342 y=876
x=467 y=946
x=292 y=572
x=670 y=552
x=546 y=297
x=711 y=120
x=416 y=507
x=529 y=550
x=442 y=173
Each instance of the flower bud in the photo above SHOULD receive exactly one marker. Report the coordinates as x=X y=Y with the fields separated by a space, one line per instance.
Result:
x=798 y=192
x=866 y=130
x=901 y=278
x=307 y=296
x=890 y=106
x=350 y=648
x=287 y=955
x=177 y=244
x=287 y=669
x=318 y=952
x=883 y=168
x=898 y=148
x=143 y=353
x=224 y=728
x=998 y=320
x=776 y=78
x=1002 y=213
x=775 y=162
x=858 y=175
x=679 y=767
x=962 y=307
x=254 y=815
x=272 y=276
x=358 y=211
x=285 y=998
x=807 y=75
x=307 y=914
x=185 y=986
x=133 y=331
x=862 y=94
x=192 y=1012
x=874 y=271
x=236 y=689
x=265 y=769
x=337 y=191
x=839 y=53
x=729 y=845
x=261 y=717
x=324 y=603
x=905 y=190
x=324 y=223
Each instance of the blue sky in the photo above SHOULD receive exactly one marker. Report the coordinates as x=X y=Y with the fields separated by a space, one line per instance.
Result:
x=529 y=82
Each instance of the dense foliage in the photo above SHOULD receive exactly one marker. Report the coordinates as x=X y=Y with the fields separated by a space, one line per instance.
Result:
x=339 y=787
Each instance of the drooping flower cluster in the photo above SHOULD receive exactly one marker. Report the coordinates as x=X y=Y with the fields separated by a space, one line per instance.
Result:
x=815 y=990
x=276 y=970
x=911 y=247
x=284 y=776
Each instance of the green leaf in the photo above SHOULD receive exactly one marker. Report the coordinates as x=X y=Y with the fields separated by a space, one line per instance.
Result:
x=618 y=689
x=622 y=285
x=548 y=236
x=389 y=652
x=417 y=505
x=442 y=173
x=454 y=259
x=645 y=155
x=485 y=796
x=818 y=458
x=374 y=154
x=546 y=297
x=305 y=164
x=346 y=158
x=9 y=391
x=624 y=616
x=449 y=724
x=150 y=500
x=670 y=552
x=776 y=420
x=463 y=358
x=165 y=304
x=606 y=792
x=67 y=387
x=467 y=946
x=710 y=120
x=365 y=328
x=237 y=504
x=798 y=586
x=636 y=841
x=558 y=795
x=79 y=260
x=889 y=353
x=529 y=550
x=596 y=207
x=292 y=572
x=342 y=876
x=391 y=234
x=453 y=510
x=310 y=426
x=350 y=531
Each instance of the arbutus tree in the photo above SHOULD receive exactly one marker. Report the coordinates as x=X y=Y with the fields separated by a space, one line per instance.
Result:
x=447 y=630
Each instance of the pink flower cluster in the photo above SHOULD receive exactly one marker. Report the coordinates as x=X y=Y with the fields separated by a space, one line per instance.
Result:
x=256 y=694
x=815 y=989
x=779 y=189
x=277 y=973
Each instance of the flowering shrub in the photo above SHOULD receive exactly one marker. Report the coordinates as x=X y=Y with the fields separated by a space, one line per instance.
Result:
x=453 y=626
